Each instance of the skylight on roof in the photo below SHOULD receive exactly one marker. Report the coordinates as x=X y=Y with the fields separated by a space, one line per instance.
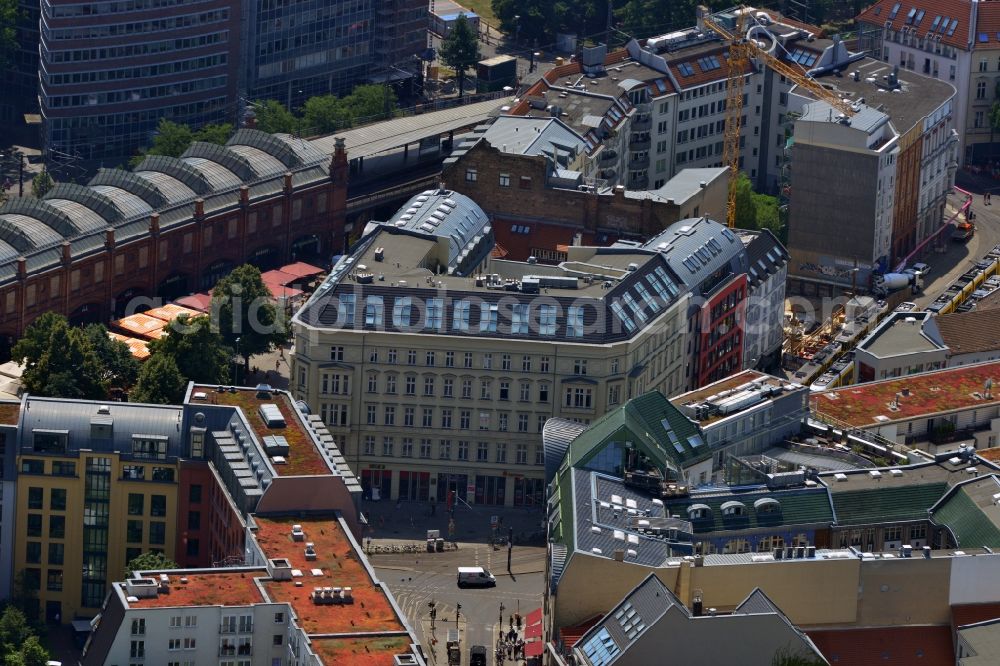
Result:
x=951 y=28
x=685 y=69
x=919 y=17
x=934 y=25
x=895 y=10
x=911 y=14
x=944 y=24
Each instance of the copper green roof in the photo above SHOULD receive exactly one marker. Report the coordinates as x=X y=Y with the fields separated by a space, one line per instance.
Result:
x=970 y=526
x=653 y=424
x=799 y=507
x=886 y=504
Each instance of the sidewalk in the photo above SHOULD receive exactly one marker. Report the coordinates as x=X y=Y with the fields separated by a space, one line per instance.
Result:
x=411 y=520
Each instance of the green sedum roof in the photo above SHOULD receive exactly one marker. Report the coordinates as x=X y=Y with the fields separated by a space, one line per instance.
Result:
x=801 y=507
x=886 y=504
x=972 y=528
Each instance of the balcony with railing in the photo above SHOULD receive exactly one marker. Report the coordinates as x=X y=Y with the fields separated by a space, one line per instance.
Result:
x=642 y=121
x=607 y=158
x=640 y=142
x=639 y=182
x=638 y=160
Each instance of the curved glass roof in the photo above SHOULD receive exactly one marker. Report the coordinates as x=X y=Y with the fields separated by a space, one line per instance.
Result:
x=262 y=163
x=218 y=176
x=131 y=205
x=174 y=190
x=268 y=144
x=37 y=232
x=7 y=251
x=84 y=219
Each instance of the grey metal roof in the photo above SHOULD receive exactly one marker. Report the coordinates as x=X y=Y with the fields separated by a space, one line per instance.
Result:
x=85 y=219
x=7 y=251
x=757 y=602
x=696 y=248
x=382 y=137
x=525 y=135
x=39 y=233
x=557 y=434
x=444 y=214
x=75 y=417
x=765 y=254
x=866 y=119
x=681 y=187
x=594 y=507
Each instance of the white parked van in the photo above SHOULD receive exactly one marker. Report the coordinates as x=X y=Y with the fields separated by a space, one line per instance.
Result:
x=475 y=576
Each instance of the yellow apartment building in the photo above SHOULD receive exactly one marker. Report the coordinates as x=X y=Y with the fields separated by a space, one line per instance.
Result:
x=97 y=486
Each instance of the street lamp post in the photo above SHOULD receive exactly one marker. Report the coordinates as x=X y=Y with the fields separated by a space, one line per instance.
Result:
x=501 y=615
x=517 y=29
x=236 y=362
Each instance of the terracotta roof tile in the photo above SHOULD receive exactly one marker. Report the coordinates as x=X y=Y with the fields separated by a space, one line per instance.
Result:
x=954 y=10
x=970 y=332
x=698 y=75
x=886 y=646
x=988 y=24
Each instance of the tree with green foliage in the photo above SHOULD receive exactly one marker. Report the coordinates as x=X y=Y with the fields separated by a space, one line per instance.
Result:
x=172 y=139
x=119 y=369
x=35 y=341
x=460 y=49
x=371 y=100
x=30 y=653
x=14 y=629
x=538 y=21
x=248 y=319
x=746 y=210
x=67 y=366
x=149 y=561
x=9 y=15
x=159 y=383
x=273 y=117
x=41 y=184
x=198 y=351
x=324 y=114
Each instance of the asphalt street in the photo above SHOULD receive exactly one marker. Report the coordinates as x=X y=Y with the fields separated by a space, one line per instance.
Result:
x=418 y=579
x=958 y=257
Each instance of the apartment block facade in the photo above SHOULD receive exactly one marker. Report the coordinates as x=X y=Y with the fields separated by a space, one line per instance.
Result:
x=420 y=413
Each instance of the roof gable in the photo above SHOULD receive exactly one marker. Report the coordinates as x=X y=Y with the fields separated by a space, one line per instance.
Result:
x=944 y=19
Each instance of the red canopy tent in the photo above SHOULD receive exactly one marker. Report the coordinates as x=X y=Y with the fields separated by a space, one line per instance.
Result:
x=301 y=270
x=279 y=278
x=281 y=291
x=200 y=302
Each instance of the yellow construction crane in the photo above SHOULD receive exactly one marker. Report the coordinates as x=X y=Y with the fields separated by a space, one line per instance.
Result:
x=740 y=51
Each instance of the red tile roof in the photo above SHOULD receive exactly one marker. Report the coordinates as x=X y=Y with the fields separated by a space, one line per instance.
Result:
x=138 y=348
x=342 y=567
x=141 y=325
x=205 y=588
x=959 y=10
x=301 y=269
x=699 y=76
x=200 y=302
x=886 y=646
x=988 y=23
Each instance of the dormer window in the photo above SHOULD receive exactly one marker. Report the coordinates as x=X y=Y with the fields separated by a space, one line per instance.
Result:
x=733 y=509
x=699 y=512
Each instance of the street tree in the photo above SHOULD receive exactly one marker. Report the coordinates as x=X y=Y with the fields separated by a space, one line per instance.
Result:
x=35 y=340
x=172 y=139
x=198 y=351
x=535 y=21
x=273 y=117
x=41 y=184
x=370 y=101
x=248 y=319
x=149 y=561
x=160 y=382
x=119 y=369
x=217 y=133
x=29 y=653
x=460 y=50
